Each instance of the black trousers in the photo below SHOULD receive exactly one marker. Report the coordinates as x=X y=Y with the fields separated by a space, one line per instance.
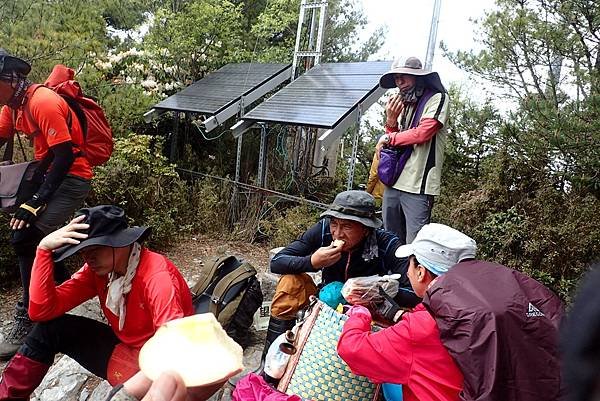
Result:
x=89 y=342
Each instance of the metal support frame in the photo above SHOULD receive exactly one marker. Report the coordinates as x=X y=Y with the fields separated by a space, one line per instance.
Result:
x=240 y=127
x=152 y=114
x=315 y=49
x=298 y=33
x=262 y=157
x=174 y=134
x=321 y=32
x=329 y=136
x=249 y=98
x=352 y=165
x=238 y=159
x=435 y=19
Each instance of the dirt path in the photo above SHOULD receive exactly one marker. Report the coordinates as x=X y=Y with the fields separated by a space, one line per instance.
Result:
x=192 y=251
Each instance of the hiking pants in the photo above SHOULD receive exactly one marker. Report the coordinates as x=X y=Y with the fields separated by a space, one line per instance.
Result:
x=405 y=213
x=291 y=295
x=91 y=343
x=67 y=199
x=88 y=341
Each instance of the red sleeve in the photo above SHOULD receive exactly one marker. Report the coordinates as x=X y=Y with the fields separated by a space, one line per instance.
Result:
x=384 y=356
x=161 y=295
x=6 y=123
x=391 y=130
x=423 y=132
x=46 y=300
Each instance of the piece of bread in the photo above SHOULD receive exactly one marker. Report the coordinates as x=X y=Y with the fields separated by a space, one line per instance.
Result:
x=196 y=347
x=338 y=243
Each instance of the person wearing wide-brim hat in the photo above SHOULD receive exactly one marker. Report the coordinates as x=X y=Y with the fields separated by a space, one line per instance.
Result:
x=139 y=290
x=61 y=182
x=416 y=119
x=347 y=242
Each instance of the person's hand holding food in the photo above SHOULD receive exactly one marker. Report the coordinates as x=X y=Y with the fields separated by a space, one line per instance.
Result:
x=327 y=255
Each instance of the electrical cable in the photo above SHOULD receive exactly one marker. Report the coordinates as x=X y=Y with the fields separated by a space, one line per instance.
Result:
x=254 y=188
x=201 y=131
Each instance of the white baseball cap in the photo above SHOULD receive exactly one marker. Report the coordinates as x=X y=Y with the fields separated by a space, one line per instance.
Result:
x=438 y=247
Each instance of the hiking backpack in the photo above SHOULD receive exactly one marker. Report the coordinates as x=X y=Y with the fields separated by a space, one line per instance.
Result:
x=501 y=328
x=229 y=289
x=97 y=144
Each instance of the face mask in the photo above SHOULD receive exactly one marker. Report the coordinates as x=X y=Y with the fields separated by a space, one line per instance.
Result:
x=412 y=94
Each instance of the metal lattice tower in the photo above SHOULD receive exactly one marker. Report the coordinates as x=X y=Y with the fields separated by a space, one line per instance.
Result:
x=317 y=15
x=435 y=19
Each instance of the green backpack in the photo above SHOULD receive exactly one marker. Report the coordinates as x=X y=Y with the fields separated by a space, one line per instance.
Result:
x=229 y=289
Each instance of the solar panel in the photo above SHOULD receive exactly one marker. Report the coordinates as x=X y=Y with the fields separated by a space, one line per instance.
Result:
x=323 y=96
x=225 y=87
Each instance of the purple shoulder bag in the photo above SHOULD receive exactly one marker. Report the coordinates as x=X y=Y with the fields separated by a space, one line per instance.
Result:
x=392 y=159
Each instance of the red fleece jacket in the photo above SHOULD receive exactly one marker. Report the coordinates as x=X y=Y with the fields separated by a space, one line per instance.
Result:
x=409 y=353
x=158 y=294
x=426 y=129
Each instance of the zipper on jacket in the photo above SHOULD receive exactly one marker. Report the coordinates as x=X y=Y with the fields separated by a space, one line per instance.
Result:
x=347 y=266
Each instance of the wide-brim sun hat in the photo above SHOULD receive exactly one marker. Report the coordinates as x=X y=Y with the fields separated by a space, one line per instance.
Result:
x=9 y=63
x=438 y=247
x=356 y=206
x=411 y=66
x=108 y=227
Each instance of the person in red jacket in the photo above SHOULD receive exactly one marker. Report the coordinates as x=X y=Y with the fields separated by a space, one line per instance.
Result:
x=415 y=118
x=63 y=174
x=139 y=290
x=411 y=352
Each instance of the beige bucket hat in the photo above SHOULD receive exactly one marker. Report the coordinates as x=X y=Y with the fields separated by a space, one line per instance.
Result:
x=411 y=66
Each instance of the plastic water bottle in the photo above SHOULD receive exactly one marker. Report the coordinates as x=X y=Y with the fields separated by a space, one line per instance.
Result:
x=278 y=357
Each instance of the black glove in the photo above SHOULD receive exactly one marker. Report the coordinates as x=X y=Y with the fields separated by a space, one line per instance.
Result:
x=387 y=308
x=30 y=210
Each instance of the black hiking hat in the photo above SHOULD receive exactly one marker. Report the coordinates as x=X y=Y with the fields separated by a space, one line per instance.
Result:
x=108 y=227
x=10 y=63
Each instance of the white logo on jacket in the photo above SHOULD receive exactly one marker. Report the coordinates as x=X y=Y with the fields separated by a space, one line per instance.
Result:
x=532 y=311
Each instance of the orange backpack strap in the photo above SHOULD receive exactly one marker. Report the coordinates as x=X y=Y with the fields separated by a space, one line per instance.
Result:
x=30 y=116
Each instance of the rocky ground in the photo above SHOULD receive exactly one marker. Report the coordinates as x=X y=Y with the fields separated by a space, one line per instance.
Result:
x=67 y=381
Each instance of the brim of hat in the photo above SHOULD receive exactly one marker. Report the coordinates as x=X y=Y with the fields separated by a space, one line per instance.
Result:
x=16 y=64
x=119 y=240
x=404 y=251
x=369 y=222
x=388 y=80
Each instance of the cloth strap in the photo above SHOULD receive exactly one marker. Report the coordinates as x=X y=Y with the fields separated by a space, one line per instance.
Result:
x=352 y=211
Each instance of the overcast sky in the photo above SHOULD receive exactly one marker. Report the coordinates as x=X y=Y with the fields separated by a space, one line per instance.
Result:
x=408 y=24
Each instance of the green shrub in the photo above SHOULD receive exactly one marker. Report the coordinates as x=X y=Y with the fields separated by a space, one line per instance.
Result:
x=209 y=206
x=285 y=226
x=125 y=106
x=139 y=179
x=549 y=234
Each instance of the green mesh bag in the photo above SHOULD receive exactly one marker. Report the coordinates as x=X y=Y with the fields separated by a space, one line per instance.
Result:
x=316 y=372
